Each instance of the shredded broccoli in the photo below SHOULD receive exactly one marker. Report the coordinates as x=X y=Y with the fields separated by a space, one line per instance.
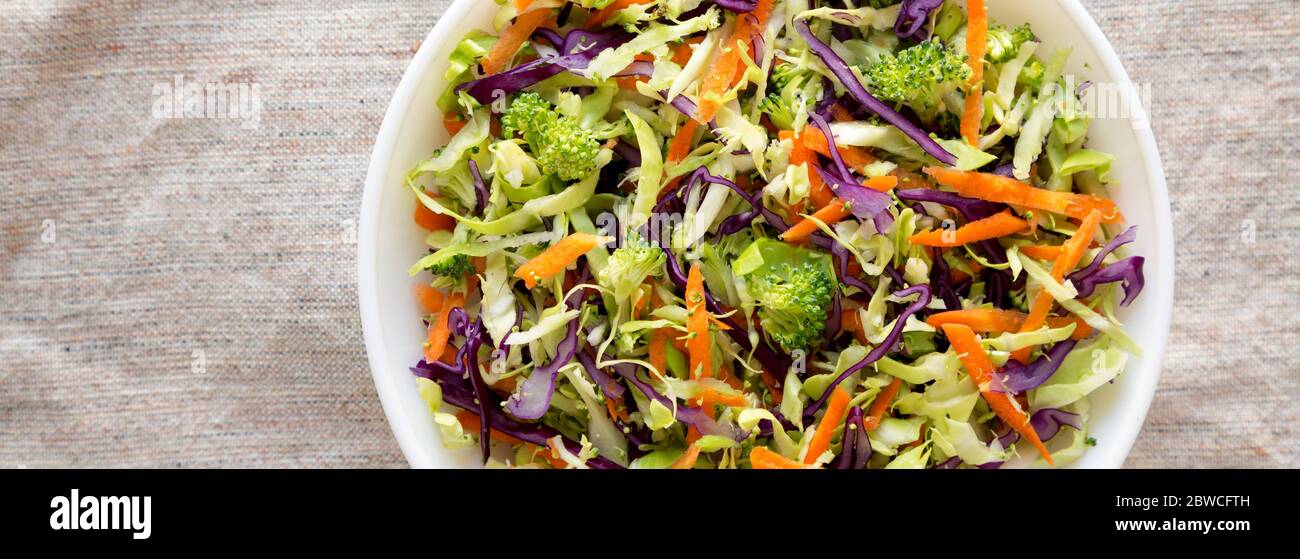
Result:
x=560 y=143
x=919 y=76
x=1004 y=44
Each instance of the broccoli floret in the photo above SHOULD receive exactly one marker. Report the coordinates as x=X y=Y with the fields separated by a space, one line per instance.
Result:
x=1004 y=44
x=560 y=143
x=628 y=266
x=919 y=76
x=786 y=95
x=454 y=267
x=793 y=289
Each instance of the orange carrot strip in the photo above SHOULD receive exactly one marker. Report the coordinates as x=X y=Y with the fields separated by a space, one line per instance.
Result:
x=997 y=188
x=1071 y=252
x=835 y=411
x=881 y=405
x=699 y=343
x=853 y=156
x=841 y=114
x=470 y=422
x=431 y=299
x=602 y=15
x=439 y=330
x=801 y=154
x=681 y=144
x=977 y=31
x=688 y=459
x=727 y=67
x=555 y=258
x=432 y=221
x=980 y=368
x=512 y=38
x=882 y=184
x=832 y=213
x=997 y=321
x=991 y=227
x=453 y=123
x=1041 y=252
x=763 y=459
x=710 y=397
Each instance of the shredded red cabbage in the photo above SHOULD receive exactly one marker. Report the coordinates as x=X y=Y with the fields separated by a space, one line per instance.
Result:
x=1017 y=377
x=850 y=81
x=913 y=17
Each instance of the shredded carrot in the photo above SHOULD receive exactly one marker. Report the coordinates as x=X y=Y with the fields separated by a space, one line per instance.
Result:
x=841 y=114
x=832 y=213
x=997 y=321
x=602 y=15
x=761 y=458
x=681 y=144
x=853 y=156
x=512 y=38
x=882 y=184
x=617 y=409
x=727 y=67
x=835 y=411
x=852 y=322
x=431 y=299
x=688 y=459
x=432 y=221
x=683 y=51
x=555 y=258
x=997 y=188
x=992 y=227
x=881 y=405
x=439 y=330
x=453 y=122
x=710 y=397
x=699 y=343
x=1071 y=252
x=980 y=368
x=801 y=154
x=977 y=31
x=1041 y=252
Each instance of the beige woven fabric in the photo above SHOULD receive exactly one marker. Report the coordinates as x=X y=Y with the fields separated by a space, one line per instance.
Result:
x=181 y=293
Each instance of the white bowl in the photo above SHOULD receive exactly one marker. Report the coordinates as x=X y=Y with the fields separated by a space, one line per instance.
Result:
x=389 y=241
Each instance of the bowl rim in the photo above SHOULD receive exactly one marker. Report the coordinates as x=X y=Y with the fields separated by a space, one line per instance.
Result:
x=398 y=417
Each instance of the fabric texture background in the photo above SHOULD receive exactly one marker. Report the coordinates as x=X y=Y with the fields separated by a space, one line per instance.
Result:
x=181 y=293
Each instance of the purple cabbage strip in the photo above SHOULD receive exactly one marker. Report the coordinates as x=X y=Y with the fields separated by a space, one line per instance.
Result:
x=1007 y=170
x=842 y=257
x=580 y=48
x=831 y=146
x=550 y=36
x=689 y=415
x=607 y=384
x=628 y=152
x=886 y=345
x=641 y=68
x=1128 y=270
x=970 y=208
x=949 y=464
x=841 y=70
x=1128 y=236
x=533 y=396
x=991 y=466
x=940 y=280
x=912 y=19
x=480 y=189
x=833 y=319
x=1017 y=377
x=863 y=202
x=1046 y=422
x=738 y=6
x=856 y=445
x=455 y=392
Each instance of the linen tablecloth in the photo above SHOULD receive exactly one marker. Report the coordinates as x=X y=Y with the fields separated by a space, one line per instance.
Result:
x=181 y=292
